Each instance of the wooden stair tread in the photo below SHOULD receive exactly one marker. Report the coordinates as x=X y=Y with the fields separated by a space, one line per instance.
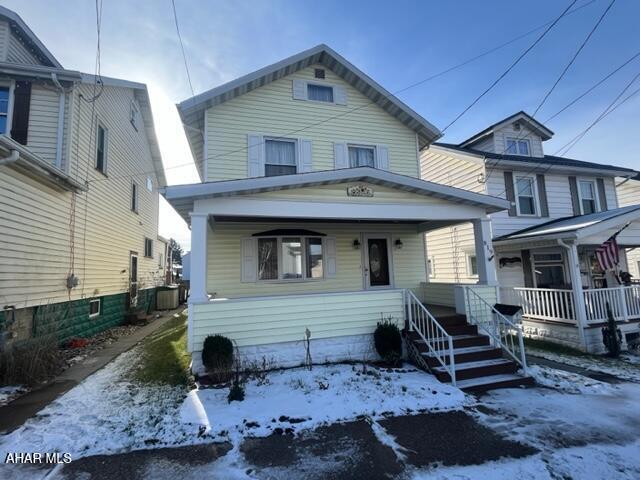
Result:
x=491 y=380
x=462 y=350
x=476 y=364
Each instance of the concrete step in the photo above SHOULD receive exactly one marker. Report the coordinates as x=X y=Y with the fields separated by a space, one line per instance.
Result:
x=481 y=368
x=491 y=382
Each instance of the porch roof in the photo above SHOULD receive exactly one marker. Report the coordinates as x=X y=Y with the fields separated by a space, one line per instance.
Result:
x=182 y=197
x=575 y=228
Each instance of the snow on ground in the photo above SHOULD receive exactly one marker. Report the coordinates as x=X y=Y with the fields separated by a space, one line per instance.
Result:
x=566 y=381
x=10 y=393
x=300 y=399
x=593 y=462
x=109 y=413
x=627 y=367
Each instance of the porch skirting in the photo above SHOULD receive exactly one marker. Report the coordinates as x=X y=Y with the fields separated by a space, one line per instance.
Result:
x=348 y=348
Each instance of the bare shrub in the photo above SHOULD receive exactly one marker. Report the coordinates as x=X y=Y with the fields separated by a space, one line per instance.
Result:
x=29 y=362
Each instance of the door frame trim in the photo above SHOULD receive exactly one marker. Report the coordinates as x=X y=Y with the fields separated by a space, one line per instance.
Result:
x=365 y=259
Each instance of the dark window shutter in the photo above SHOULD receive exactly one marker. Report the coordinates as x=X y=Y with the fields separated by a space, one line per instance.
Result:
x=511 y=194
x=602 y=195
x=20 y=120
x=575 y=200
x=526 y=268
x=542 y=195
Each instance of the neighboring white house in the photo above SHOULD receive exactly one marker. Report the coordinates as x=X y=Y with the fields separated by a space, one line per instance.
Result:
x=629 y=194
x=79 y=177
x=311 y=213
x=544 y=245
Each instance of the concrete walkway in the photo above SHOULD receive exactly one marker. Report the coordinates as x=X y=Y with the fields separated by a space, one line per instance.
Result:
x=21 y=409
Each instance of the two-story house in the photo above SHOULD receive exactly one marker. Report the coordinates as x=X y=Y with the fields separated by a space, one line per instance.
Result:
x=311 y=215
x=628 y=190
x=79 y=176
x=545 y=244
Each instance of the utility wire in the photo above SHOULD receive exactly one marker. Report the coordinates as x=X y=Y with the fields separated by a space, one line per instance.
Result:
x=506 y=72
x=347 y=112
x=573 y=59
x=184 y=55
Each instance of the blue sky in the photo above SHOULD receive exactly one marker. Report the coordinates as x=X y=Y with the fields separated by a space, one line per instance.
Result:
x=397 y=43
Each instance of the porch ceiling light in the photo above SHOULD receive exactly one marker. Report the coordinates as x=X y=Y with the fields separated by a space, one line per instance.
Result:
x=398 y=244
x=356 y=244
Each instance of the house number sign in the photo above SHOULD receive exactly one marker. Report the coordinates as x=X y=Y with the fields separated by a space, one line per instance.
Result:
x=359 y=191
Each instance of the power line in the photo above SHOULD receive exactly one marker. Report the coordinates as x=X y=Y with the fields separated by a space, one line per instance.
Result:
x=184 y=55
x=347 y=112
x=506 y=72
x=573 y=59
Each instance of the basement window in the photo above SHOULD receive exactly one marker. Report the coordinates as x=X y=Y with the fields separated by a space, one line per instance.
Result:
x=94 y=308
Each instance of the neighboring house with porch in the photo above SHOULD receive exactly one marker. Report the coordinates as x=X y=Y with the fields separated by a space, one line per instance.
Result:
x=628 y=190
x=79 y=176
x=311 y=215
x=544 y=244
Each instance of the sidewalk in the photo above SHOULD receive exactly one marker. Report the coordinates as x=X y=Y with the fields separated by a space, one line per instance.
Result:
x=20 y=410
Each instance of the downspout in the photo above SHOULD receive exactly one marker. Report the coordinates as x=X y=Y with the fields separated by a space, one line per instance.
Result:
x=13 y=157
x=626 y=179
x=61 y=102
x=576 y=286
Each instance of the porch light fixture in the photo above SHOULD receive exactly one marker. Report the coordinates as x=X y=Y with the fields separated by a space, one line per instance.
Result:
x=398 y=244
x=356 y=244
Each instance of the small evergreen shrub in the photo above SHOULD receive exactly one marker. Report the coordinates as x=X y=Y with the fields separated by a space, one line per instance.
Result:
x=388 y=341
x=217 y=357
x=611 y=335
x=236 y=392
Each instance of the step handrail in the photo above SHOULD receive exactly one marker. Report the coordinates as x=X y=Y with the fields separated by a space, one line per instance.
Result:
x=497 y=326
x=435 y=337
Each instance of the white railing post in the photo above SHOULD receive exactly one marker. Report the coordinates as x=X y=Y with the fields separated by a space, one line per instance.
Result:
x=623 y=303
x=452 y=362
x=409 y=307
x=522 y=352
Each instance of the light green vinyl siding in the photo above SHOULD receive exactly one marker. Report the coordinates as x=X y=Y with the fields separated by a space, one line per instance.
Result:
x=284 y=319
x=224 y=266
x=271 y=110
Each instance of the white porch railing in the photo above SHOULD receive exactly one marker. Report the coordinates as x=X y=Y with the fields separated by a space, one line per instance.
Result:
x=438 y=341
x=559 y=305
x=624 y=303
x=503 y=333
x=541 y=303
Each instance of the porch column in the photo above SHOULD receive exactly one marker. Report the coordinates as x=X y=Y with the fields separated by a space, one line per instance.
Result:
x=485 y=256
x=199 y=230
x=578 y=296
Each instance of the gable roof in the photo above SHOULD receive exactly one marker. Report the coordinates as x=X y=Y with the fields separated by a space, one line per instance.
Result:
x=181 y=197
x=545 y=161
x=574 y=227
x=32 y=42
x=191 y=110
x=520 y=116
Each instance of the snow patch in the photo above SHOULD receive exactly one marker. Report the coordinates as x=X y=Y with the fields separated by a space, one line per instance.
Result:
x=566 y=381
x=10 y=393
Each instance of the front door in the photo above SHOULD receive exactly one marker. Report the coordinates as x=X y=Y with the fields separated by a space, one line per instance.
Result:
x=377 y=268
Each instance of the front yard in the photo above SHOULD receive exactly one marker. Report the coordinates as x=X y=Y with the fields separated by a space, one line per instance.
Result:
x=335 y=421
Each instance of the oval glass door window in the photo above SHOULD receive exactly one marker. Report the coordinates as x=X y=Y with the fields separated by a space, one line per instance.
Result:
x=378 y=262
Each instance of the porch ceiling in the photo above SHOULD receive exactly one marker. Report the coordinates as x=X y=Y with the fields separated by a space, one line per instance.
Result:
x=184 y=197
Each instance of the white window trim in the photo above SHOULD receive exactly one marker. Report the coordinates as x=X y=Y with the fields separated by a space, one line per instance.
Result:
x=149 y=184
x=534 y=184
x=596 y=195
x=320 y=84
x=469 y=267
x=548 y=263
x=11 y=84
x=145 y=247
x=93 y=315
x=431 y=266
x=296 y=145
x=363 y=145
x=304 y=260
x=105 y=161
x=517 y=139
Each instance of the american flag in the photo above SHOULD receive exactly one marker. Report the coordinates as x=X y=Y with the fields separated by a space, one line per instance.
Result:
x=607 y=254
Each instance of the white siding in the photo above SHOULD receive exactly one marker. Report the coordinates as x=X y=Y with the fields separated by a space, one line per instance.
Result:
x=629 y=194
x=525 y=133
x=4 y=39
x=18 y=53
x=486 y=145
x=43 y=122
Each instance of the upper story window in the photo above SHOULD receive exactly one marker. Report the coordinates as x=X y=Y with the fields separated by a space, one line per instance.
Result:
x=4 y=108
x=588 y=199
x=102 y=140
x=361 y=156
x=134 y=197
x=319 y=93
x=525 y=195
x=517 y=146
x=280 y=157
x=148 y=247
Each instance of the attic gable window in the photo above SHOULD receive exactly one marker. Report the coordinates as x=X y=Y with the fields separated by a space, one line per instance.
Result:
x=4 y=108
x=517 y=146
x=319 y=93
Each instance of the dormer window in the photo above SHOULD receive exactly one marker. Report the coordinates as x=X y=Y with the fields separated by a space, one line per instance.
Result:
x=518 y=146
